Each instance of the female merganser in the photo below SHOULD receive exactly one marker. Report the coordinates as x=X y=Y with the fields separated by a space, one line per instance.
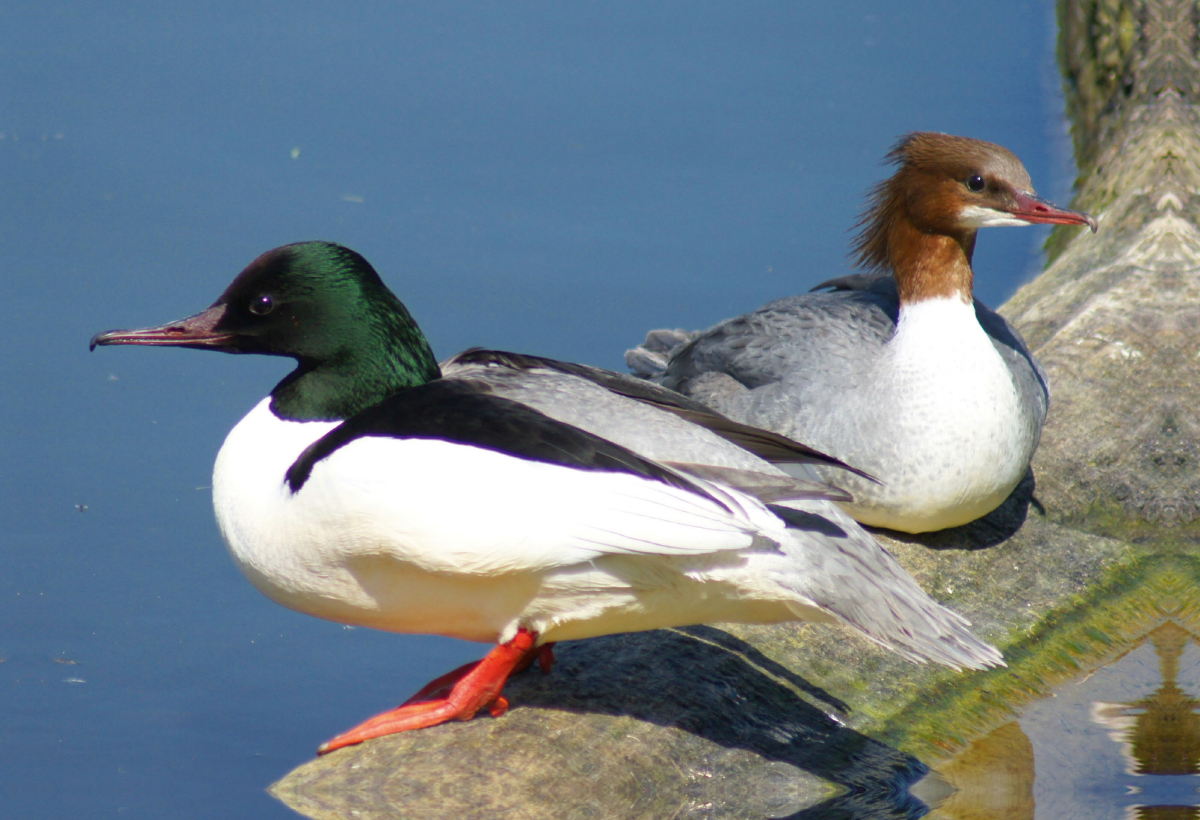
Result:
x=370 y=489
x=908 y=377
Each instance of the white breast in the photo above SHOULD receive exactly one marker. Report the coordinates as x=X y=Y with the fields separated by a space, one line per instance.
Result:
x=433 y=537
x=959 y=437
x=250 y=499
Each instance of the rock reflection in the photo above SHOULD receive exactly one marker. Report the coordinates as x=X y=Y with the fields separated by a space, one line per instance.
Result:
x=1159 y=735
x=1164 y=813
x=992 y=779
x=1122 y=742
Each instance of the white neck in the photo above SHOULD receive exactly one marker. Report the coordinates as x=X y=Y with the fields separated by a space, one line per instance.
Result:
x=940 y=351
x=937 y=320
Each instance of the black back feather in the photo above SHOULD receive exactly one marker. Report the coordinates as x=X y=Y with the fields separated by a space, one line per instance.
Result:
x=465 y=413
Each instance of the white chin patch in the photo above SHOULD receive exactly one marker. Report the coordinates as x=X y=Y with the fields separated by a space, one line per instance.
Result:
x=976 y=217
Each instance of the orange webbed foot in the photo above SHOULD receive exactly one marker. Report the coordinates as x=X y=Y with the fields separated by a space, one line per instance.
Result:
x=469 y=688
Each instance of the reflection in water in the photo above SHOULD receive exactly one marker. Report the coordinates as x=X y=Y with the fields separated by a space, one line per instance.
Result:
x=1164 y=813
x=1159 y=735
x=993 y=778
x=1050 y=765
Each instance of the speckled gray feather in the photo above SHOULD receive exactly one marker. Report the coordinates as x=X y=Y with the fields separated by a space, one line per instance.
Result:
x=833 y=563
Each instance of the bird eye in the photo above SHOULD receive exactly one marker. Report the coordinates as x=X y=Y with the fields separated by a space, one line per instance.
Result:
x=262 y=305
x=976 y=183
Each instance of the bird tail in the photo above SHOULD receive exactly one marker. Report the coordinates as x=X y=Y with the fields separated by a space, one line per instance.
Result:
x=649 y=360
x=845 y=572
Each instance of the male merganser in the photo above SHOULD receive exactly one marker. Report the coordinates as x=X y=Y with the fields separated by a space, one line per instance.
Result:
x=908 y=378
x=368 y=489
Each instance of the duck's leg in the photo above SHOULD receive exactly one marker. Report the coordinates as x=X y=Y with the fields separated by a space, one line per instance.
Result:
x=443 y=684
x=475 y=686
x=544 y=655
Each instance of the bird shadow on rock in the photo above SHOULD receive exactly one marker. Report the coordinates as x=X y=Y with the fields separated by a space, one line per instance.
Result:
x=715 y=686
x=992 y=529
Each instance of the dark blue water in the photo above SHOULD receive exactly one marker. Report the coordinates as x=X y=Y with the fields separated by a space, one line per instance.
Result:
x=555 y=178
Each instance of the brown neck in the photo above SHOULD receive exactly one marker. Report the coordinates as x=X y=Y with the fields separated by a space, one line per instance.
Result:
x=930 y=265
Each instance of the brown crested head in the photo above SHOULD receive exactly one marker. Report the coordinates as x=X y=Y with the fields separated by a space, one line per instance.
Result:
x=925 y=216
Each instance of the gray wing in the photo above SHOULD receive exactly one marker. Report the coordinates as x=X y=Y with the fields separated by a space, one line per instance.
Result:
x=644 y=427
x=1032 y=383
x=844 y=571
x=822 y=333
x=785 y=366
x=765 y=444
